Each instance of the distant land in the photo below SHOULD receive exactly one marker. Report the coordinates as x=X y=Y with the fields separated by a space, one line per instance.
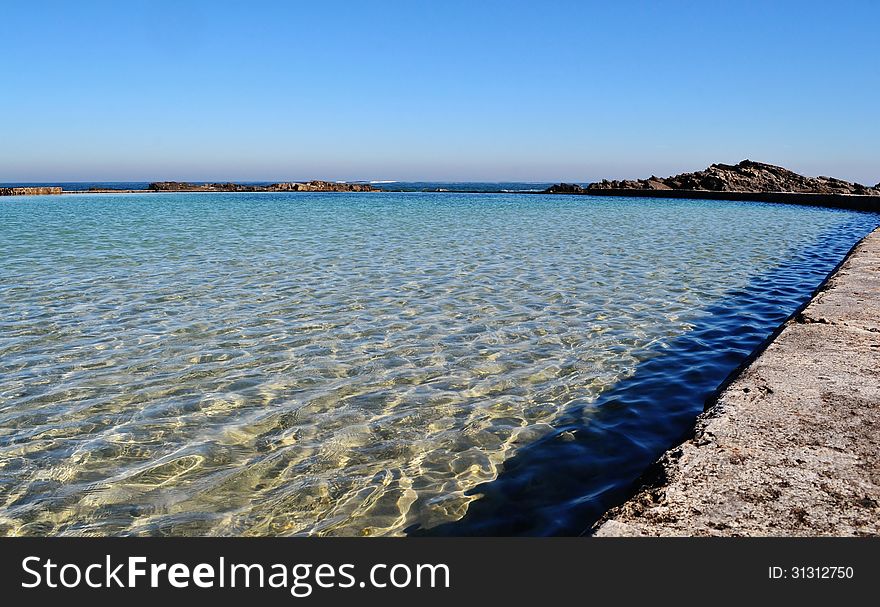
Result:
x=185 y=186
x=747 y=176
x=747 y=180
x=290 y=186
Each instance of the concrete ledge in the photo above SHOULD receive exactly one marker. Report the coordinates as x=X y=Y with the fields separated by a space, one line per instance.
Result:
x=792 y=446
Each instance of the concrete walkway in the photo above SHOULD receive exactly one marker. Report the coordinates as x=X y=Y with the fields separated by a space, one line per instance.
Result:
x=792 y=446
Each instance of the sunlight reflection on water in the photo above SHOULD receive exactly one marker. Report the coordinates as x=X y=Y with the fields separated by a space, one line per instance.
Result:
x=330 y=363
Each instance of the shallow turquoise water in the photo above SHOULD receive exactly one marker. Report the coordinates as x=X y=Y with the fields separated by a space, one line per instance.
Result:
x=335 y=363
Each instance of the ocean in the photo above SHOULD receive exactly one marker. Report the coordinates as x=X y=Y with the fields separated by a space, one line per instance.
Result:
x=372 y=364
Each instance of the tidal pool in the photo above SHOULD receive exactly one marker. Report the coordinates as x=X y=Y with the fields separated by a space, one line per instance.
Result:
x=343 y=364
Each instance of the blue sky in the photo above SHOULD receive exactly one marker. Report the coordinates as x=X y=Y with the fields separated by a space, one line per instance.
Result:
x=447 y=90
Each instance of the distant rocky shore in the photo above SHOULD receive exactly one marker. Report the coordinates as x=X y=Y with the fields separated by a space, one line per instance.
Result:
x=185 y=186
x=748 y=180
x=291 y=186
x=747 y=176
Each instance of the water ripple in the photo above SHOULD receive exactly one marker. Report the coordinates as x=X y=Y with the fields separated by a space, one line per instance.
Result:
x=343 y=364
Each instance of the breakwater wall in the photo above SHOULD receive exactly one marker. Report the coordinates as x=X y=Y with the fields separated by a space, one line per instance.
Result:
x=839 y=201
x=30 y=191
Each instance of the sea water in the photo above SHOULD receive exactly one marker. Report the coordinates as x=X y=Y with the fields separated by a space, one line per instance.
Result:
x=349 y=364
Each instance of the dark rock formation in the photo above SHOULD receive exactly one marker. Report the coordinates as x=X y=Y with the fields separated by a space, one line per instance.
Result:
x=30 y=191
x=308 y=186
x=320 y=186
x=183 y=186
x=747 y=176
x=565 y=188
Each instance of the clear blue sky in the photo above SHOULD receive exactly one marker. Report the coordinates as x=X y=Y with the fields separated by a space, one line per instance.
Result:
x=447 y=90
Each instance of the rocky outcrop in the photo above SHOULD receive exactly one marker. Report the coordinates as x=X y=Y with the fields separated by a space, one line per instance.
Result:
x=321 y=186
x=747 y=176
x=565 y=188
x=308 y=186
x=184 y=186
x=30 y=191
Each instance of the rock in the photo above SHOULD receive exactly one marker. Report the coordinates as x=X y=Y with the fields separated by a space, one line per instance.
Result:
x=182 y=186
x=308 y=186
x=747 y=176
x=320 y=186
x=30 y=191
x=565 y=188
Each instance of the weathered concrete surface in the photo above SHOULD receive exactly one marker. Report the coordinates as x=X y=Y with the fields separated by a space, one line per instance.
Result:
x=792 y=446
